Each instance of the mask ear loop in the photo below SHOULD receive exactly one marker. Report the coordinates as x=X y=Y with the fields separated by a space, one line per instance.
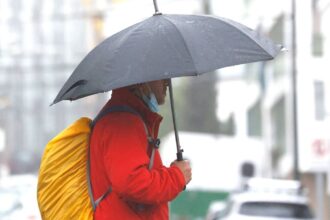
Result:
x=137 y=90
x=149 y=90
x=140 y=88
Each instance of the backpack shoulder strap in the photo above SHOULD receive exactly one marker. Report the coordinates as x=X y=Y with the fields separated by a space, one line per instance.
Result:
x=151 y=141
x=117 y=108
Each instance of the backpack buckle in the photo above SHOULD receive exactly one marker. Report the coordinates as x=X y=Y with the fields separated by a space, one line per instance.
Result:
x=156 y=143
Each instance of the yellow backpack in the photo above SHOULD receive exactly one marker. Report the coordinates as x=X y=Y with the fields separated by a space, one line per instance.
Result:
x=62 y=181
x=64 y=188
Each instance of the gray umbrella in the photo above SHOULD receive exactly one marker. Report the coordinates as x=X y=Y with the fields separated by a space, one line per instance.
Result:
x=163 y=47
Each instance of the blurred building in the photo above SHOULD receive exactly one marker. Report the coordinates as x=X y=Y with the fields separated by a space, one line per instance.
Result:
x=41 y=43
x=267 y=108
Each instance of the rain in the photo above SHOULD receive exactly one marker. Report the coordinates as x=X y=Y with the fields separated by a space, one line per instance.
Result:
x=256 y=134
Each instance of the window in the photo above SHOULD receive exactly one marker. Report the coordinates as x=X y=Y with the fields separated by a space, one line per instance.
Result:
x=317 y=37
x=255 y=120
x=319 y=100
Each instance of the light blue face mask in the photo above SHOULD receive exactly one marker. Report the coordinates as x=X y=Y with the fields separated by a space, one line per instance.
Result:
x=151 y=102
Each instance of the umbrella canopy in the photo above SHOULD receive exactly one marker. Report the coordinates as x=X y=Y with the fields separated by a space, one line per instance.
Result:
x=166 y=46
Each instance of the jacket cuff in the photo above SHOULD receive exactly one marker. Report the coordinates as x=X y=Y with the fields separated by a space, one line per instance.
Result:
x=179 y=177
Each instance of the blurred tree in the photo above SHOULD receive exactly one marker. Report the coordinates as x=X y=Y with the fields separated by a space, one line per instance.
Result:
x=199 y=105
x=228 y=127
x=195 y=106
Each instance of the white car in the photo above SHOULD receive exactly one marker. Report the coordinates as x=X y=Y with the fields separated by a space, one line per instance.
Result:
x=270 y=200
x=216 y=210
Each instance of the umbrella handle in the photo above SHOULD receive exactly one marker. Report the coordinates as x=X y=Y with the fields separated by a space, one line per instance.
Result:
x=179 y=156
x=179 y=151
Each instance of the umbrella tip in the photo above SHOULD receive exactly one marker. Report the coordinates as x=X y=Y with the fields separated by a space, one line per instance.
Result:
x=53 y=103
x=281 y=48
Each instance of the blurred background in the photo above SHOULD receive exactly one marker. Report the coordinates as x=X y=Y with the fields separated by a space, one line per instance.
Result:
x=249 y=122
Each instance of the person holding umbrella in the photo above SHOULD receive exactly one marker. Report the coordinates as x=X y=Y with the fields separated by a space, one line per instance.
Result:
x=137 y=64
x=120 y=157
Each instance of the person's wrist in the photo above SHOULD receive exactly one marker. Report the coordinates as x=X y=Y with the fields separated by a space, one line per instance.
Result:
x=180 y=176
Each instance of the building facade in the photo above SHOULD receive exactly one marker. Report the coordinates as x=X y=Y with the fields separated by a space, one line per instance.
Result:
x=271 y=107
x=41 y=43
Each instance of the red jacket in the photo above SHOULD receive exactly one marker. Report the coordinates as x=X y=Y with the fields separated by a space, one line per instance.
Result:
x=120 y=158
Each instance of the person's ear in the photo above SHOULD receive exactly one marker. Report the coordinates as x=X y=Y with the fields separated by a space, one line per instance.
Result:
x=167 y=82
x=144 y=89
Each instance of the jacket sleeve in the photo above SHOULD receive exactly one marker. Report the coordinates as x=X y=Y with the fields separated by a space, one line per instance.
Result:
x=126 y=161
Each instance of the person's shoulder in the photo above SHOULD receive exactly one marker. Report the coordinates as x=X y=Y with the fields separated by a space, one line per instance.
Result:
x=123 y=124
x=124 y=120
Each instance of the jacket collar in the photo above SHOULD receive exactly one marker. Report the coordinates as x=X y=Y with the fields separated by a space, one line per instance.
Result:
x=123 y=96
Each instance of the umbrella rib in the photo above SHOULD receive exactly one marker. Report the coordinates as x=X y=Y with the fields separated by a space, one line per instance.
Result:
x=245 y=33
x=123 y=40
x=184 y=42
x=117 y=49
